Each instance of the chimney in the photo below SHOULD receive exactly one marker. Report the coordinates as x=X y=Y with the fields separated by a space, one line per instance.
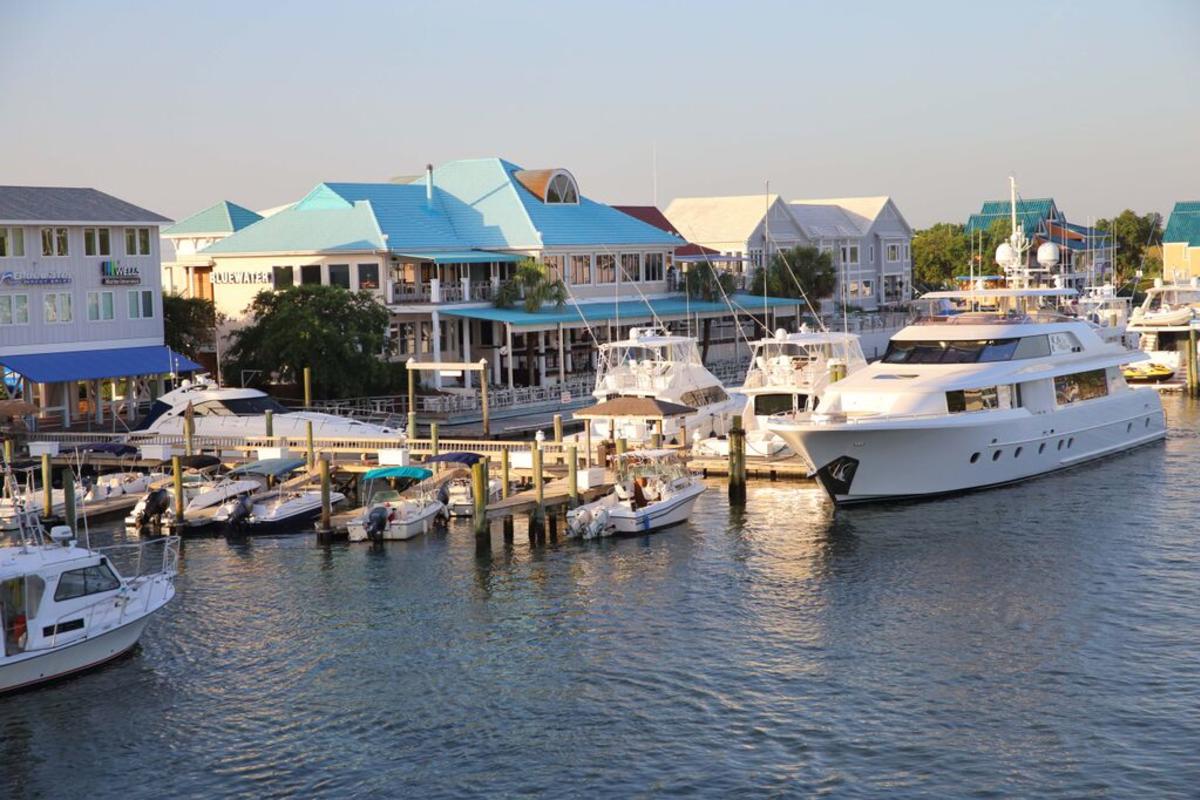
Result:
x=429 y=185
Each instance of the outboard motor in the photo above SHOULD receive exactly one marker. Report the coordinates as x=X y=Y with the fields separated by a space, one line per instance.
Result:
x=155 y=505
x=377 y=522
x=242 y=507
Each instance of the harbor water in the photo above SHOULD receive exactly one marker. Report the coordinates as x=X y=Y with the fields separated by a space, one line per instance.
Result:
x=1037 y=640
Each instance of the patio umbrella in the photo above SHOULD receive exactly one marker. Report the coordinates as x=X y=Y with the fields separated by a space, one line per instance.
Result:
x=16 y=408
x=637 y=407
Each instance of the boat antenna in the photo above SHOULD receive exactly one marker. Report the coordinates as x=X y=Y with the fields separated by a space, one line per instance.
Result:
x=766 y=256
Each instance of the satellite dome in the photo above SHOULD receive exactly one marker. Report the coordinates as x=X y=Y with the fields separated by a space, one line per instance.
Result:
x=1047 y=255
x=1005 y=254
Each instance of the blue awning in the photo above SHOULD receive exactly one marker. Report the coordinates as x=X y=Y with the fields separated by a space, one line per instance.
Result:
x=463 y=256
x=675 y=307
x=86 y=365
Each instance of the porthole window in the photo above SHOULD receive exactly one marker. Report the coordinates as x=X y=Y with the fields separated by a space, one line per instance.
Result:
x=974 y=457
x=1129 y=427
x=1017 y=453
x=1060 y=444
x=1041 y=448
x=1070 y=442
x=996 y=455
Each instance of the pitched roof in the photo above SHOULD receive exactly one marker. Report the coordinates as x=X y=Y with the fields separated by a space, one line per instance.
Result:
x=222 y=218
x=1030 y=213
x=68 y=204
x=652 y=215
x=820 y=220
x=1184 y=223
x=719 y=219
x=860 y=211
x=407 y=219
x=303 y=230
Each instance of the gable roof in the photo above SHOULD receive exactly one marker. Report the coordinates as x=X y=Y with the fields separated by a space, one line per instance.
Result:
x=68 y=204
x=652 y=215
x=1184 y=223
x=862 y=212
x=408 y=220
x=732 y=218
x=826 y=220
x=304 y=230
x=1030 y=213
x=222 y=218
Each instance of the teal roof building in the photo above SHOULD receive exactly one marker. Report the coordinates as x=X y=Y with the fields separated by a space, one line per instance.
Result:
x=221 y=219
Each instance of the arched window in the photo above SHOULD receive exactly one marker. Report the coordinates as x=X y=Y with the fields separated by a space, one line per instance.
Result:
x=562 y=189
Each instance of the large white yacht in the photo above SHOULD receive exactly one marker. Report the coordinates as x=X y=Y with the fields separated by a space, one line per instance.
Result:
x=1164 y=319
x=1005 y=387
x=224 y=411
x=651 y=363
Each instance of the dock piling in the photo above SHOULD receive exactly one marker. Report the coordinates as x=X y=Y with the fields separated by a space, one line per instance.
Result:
x=411 y=430
x=69 y=515
x=8 y=451
x=177 y=487
x=308 y=387
x=308 y=443
x=558 y=429
x=189 y=434
x=47 y=486
x=572 y=476
x=622 y=445
x=1193 y=367
x=483 y=398
x=538 y=518
x=269 y=417
x=326 y=496
x=587 y=443
x=433 y=438
x=504 y=469
x=737 y=462
x=479 y=497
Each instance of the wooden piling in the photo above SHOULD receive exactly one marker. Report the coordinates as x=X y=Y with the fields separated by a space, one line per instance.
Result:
x=308 y=387
x=737 y=462
x=622 y=446
x=587 y=442
x=411 y=430
x=177 y=487
x=70 y=518
x=189 y=435
x=8 y=451
x=504 y=476
x=326 y=496
x=309 y=457
x=269 y=416
x=47 y=487
x=558 y=428
x=572 y=476
x=433 y=438
x=479 y=498
x=539 y=490
x=483 y=399
x=1193 y=363
x=508 y=528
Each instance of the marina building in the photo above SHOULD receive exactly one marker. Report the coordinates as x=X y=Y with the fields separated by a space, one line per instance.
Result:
x=435 y=249
x=1085 y=253
x=81 y=325
x=1181 y=242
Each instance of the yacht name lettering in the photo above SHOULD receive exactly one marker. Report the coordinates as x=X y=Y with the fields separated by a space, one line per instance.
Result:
x=241 y=277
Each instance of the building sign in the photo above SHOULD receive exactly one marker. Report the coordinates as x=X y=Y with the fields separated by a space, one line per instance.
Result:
x=113 y=274
x=12 y=278
x=228 y=277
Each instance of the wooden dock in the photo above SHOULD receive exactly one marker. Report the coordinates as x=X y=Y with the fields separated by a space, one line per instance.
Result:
x=792 y=468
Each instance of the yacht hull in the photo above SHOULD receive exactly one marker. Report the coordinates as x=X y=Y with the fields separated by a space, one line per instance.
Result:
x=70 y=659
x=921 y=458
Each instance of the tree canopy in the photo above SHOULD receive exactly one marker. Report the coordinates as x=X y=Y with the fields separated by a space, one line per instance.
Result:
x=189 y=323
x=1134 y=236
x=340 y=334
x=813 y=269
x=705 y=281
x=533 y=284
x=939 y=253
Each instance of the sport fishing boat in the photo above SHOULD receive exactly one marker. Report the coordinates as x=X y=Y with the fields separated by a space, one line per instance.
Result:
x=396 y=506
x=65 y=608
x=654 y=490
x=1003 y=389
x=787 y=374
x=663 y=366
x=224 y=411
x=1164 y=322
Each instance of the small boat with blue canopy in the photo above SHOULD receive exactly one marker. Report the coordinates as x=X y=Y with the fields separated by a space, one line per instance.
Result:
x=397 y=504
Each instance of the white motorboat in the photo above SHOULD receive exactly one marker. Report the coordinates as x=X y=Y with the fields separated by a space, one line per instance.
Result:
x=787 y=373
x=277 y=509
x=24 y=498
x=65 y=608
x=224 y=411
x=665 y=367
x=458 y=493
x=654 y=490
x=1164 y=322
x=391 y=510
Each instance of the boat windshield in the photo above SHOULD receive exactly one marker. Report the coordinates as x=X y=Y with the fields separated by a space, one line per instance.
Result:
x=240 y=407
x=952 y=352
x=665 y=467
x=1172 y=298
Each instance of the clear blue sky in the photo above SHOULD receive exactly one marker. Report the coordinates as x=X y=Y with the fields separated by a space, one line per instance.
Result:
x=174 y=105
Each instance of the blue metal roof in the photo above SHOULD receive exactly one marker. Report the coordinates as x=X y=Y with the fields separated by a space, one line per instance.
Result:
x=85 y=365
x=464 y=256
x=414 y=473
x=626 y=310
x=224 y=217
x=1184 y=224
x=406 y=218
x=308 y=229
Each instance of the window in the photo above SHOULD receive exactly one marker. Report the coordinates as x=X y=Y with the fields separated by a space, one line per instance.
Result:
x=89 y=580
x=972 y=400
x=554 y=267
x=631 y=267
x=96 y=242
x=562 y=189
x=339 y=275
x=893 y=252
x=1080 y=386
x=368 y=276
x=137 y=241
x=960 y=352
x=310 y=274
x=606 y=269
x=868 y=289
x=652 y=267
x=703 y=397
x=141 y=304
x=581 y=270
x=768 y=404
x=282 y=278
x=57 y=307
x=907 y=256
x=849 y=254
x=99 y=306
x=54 y=242
x=12 y=242
x=871 y=254
x=14 y=309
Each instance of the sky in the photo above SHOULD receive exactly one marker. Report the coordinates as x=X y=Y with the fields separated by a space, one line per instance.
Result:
x=175 y=105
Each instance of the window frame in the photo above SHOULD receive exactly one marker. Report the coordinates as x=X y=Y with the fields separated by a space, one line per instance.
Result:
x=598 y=271
x=97 y=237
x=134 y=239
x=649 y=262
x=136 y=299
x=58 y=235
x=12 y=309
x=57 y=297
x=277 y=271
x=370 y=286
x=339 y=267
x=10 y=237
x=889 y=247
x=109 y=586
x=99 y=295
x=574 y=260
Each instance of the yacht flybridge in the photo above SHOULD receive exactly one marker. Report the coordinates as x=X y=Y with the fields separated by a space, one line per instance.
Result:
x=999 y=386
x=224 y=411
x=651 y=363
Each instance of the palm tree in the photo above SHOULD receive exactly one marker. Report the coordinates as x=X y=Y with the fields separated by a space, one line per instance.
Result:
x=534 y=285
x=704 y=281
x=813 y=269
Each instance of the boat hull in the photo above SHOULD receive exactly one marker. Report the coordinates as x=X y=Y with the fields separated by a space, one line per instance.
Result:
x=399 y=529
x=923 y=458
x=42 y=667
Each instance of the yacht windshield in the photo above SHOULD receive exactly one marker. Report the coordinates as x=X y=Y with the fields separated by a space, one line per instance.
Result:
x=240 y=407
x=1172 y=298
x=950 y=352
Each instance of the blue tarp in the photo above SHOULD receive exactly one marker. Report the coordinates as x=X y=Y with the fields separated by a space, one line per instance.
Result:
x=86 y=365
x=415 y=473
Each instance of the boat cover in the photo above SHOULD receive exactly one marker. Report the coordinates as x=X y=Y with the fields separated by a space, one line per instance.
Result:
x=414 y=473
x=464 y=458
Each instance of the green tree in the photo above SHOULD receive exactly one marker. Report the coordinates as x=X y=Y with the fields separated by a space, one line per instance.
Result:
x=939 y=253
x=813 y=270
x=189 y=323
x=534 y=285
x=341 y=335
x=1134 y=236
x=707 y=282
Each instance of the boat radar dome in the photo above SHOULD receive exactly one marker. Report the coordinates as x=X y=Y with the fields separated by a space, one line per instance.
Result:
x=62 y=535
x=780 y=334
x=1006 y=254
x=1047 y=254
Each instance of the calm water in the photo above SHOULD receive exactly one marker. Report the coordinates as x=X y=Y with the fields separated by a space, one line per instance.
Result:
x=1036 y=640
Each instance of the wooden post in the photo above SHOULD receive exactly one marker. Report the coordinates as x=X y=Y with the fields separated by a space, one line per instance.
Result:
x=1192 y=362
x=737 y=462
x=308 y=387
x=504 y=468
x=69 y=516
x=189 y=435
x=587 y=443
x=621 y=446
x=572 y=476
x=656 y=437
x=683 y=440
x=483 y=397
x=412 y=426
x=539 y=492
x=326 y=496
x=433 y=438
x=177 y=486
x=47 y=486
x=479 y=497
x=308 y=443
x=8 y=451
x=412 y=400
x=558 y=428
x=269 y=415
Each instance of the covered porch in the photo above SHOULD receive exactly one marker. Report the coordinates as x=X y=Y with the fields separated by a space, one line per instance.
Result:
x=449 y=277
